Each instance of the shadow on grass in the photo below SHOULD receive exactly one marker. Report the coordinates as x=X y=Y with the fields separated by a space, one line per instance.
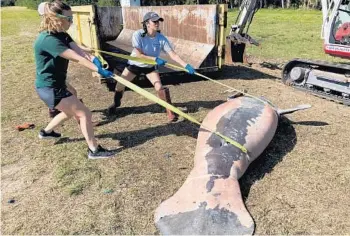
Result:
x=228 y=72
x=138 y=137
x=283 y=142
x=310 y=123
x=241 y=72
x=188 y=107
x=134 y=138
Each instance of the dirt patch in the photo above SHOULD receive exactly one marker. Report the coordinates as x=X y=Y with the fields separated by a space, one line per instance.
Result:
x=298 y=186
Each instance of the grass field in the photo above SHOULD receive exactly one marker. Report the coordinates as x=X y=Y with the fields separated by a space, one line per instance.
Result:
x=299 y=186
x=286 y=34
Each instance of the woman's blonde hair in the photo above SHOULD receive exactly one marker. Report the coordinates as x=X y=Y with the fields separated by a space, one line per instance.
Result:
x=50 y=22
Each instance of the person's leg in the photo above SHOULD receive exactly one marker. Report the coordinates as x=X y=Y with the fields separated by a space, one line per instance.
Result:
x=72 y=106
x=56 y=121
x=52 y=96
x=53 y=112
x=48 y=131
x=71 y=89
x=119 y=91
x=163 y=93
x=154 y=78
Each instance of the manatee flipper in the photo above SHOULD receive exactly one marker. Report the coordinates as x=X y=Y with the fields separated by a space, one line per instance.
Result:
x=194 y=210
x=291 y=110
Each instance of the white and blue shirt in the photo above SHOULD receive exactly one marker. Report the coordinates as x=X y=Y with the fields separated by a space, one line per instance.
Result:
x=150 y=46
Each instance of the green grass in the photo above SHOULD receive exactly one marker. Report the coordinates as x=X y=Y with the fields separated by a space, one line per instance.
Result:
x=19 y=28
x=285 y=34
x=14 y=18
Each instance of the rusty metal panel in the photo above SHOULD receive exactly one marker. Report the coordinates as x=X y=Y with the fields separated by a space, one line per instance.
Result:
x=193 y=53
x=189 y=22
x=190 y=29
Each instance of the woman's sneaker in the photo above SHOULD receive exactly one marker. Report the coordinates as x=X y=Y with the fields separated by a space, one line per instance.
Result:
x=100 y=153
x=52 y=134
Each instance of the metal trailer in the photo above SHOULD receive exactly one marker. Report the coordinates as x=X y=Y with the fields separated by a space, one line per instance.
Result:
x=196 y=32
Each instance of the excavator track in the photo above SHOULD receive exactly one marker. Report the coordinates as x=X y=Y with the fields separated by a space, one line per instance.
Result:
x=328 y=68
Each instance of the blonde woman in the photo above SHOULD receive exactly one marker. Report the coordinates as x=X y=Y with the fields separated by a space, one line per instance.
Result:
x=53 y=112
x=53 y=50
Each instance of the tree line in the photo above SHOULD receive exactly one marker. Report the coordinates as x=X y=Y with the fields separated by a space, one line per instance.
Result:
x=306 y=4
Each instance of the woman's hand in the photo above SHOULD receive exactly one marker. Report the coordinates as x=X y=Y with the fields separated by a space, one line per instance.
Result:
x=104 y=73
x=190 y=69
x=160 y=61
x=97 y=62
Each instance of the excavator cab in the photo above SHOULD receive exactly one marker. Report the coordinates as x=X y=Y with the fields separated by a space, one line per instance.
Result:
x=326 y=79
x=336 y=28
x=341 y=26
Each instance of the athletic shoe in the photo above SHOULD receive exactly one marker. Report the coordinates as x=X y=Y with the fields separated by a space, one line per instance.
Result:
x=100 y=153
x=52 y=134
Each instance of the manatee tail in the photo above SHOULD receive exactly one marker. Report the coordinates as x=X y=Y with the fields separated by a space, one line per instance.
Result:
x=193 y=211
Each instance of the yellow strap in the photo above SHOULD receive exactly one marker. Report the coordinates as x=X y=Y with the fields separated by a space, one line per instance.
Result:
x=159 y=101
x=155 y=99
x=151 y=62
x=217 y=82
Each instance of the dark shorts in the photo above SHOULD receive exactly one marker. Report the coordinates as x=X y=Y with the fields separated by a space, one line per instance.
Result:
x=136 y=70
x=52 y=96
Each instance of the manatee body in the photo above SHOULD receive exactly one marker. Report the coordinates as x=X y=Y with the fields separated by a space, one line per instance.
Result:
x=210 y=201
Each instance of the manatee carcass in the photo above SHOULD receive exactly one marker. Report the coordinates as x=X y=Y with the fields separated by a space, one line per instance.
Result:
x=210 y=200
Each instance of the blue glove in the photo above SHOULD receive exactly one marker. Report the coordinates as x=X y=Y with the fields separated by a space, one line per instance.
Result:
x=160 y=61
x=97 y=62
x=105 y=73
x=190 y=69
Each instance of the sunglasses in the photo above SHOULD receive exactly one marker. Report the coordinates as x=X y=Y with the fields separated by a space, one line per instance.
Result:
x=155 y=21
x=69 y=18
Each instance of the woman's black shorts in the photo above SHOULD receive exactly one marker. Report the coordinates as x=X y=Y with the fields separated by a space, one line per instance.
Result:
x=136 y=70
x=52 y=96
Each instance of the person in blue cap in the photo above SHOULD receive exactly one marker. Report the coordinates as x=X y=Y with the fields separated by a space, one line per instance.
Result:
x=147 y=44
x=53 y=49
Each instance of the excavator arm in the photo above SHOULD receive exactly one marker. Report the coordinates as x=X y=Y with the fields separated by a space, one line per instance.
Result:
x=238 y=38
x=239 y=31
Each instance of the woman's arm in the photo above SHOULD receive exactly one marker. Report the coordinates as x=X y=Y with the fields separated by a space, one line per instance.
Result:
x=71 y=55
x=81 y=51
x=177 y=58
x=140 y=54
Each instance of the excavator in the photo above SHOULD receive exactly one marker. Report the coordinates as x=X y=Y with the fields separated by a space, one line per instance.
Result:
x=323 y=79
